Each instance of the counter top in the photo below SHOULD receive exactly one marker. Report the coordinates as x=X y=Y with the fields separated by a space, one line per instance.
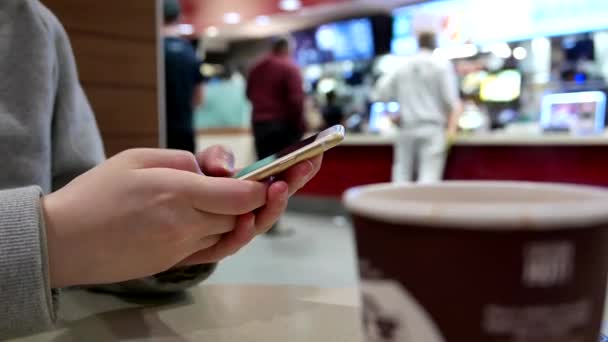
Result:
x=368 y=139
x=545 y=139
x=216 y=313
x=498 y=138
x=355 y=139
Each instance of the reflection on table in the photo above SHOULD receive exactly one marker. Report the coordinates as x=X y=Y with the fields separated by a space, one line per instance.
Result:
x=212 y=313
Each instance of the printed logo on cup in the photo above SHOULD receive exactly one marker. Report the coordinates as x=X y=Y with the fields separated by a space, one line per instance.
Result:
x=548 y=264
x=528 y=323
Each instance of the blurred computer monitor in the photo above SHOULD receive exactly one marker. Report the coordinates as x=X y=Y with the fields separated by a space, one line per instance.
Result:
x=503 y=86
x=583 y=111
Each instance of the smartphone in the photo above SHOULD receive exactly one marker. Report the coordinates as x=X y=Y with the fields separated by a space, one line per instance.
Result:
x=303 y=150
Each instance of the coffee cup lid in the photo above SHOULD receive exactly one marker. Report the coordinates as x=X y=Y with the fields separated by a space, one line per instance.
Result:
x=481 y=204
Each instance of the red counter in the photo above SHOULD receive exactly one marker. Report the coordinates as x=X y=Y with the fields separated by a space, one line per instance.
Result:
x=366 y=159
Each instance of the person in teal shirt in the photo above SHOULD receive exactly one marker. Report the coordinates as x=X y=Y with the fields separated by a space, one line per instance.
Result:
x=225 y=104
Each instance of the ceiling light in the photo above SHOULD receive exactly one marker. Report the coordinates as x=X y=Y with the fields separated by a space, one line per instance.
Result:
x=232 y=18
x=262 y=20
x=520 y=53
x=185 y=29
x=290 y=5
x=212 y=31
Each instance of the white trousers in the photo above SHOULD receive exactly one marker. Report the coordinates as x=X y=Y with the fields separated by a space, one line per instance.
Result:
x=422 y=149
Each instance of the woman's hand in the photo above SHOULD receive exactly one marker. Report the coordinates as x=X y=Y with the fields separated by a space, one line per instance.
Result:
x=140 y=213
x=147 y=210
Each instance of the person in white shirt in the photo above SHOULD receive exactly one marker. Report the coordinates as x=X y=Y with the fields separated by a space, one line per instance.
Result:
x=426 y=88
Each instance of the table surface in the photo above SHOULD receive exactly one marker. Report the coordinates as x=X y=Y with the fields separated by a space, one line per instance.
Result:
x=212 y=313
x=218 y=313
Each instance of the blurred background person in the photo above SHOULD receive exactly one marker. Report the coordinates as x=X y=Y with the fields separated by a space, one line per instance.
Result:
x=275 y=90
x=426 y=87
x=226 y=104
x=332 y=112
x=183 y=81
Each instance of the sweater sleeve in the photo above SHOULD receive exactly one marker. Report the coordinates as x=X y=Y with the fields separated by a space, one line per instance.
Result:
x=27 y=302
x=77 y=144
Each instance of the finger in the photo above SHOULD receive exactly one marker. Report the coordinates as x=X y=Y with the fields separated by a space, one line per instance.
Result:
x=216 y=161
x=143 y=158
x=278 y=194
x=298 y=175
x=209 y=241
x=224 y=196
x=228 y=245
x=206 y=224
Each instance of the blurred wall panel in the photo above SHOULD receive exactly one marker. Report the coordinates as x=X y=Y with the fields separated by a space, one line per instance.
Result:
x=117 y=45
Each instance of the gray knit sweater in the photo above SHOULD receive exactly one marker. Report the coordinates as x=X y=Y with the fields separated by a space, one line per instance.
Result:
x=48 y=136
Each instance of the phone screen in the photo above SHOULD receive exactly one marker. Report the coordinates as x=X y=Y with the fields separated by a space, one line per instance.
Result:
x=272 y=158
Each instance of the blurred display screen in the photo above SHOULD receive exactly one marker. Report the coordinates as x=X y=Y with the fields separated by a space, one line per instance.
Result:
x=504 y=86
x=339 y=41
x=581 y=111
x=483 y=21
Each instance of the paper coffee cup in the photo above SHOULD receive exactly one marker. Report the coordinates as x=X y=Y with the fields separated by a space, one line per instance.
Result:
x=481 y=261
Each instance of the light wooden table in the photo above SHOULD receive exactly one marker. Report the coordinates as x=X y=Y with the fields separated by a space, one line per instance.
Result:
x=215 y=313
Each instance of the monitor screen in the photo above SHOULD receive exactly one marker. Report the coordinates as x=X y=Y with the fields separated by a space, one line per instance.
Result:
x=339 y=41
x=483 y=22
x=581 y=111
x=504 y=86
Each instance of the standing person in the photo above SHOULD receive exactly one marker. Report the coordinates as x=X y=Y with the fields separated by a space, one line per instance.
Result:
x=332 y=112
x=426 y=88
x=183 y=82
x=275 y=90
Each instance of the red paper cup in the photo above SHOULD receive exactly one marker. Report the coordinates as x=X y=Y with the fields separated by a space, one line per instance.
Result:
x=481 y=261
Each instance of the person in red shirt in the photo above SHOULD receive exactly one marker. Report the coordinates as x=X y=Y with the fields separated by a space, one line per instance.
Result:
x=274 y=88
